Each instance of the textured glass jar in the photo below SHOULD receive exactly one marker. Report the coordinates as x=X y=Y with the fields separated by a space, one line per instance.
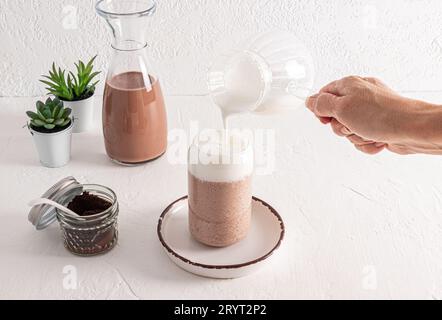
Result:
x=91 y=235
x=220 y=174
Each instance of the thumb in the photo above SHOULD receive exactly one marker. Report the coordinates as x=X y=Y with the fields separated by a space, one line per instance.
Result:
x=323 y=104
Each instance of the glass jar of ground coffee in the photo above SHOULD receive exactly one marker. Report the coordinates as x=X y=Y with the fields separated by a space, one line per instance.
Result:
x=94 y=230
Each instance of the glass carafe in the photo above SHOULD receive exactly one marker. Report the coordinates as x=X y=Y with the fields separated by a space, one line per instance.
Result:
x=134 y=114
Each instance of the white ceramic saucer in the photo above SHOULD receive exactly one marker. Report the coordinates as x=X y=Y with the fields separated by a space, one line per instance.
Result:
x=241 y=259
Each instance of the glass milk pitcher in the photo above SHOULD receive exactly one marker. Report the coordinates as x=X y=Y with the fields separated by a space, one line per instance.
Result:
x=272 y=73
x=134 y=114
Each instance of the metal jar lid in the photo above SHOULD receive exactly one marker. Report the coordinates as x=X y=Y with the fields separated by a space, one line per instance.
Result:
x=42 y=216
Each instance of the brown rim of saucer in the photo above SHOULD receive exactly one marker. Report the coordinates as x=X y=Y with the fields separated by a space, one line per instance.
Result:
x=234 y=266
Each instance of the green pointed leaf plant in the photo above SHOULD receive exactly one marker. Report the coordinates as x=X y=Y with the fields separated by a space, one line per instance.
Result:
x=69 y=86
x=49 y=116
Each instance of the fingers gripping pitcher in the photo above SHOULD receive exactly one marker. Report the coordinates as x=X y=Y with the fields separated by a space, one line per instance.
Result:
x=134 y=114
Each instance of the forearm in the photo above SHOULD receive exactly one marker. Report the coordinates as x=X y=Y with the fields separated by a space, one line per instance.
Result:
x=425 y=126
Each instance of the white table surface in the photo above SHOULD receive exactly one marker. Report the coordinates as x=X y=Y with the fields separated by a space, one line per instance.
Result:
x=357 y=226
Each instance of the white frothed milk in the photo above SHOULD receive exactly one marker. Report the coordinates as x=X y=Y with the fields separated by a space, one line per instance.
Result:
x=212 y=159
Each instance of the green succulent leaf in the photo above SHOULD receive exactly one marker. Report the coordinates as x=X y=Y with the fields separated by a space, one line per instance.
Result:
x=40 y=105
x=90 y=64
x=67 y=112
x=35 y=124
x=56 y=102
x=60 y=114
x=49 y=126
x=55 y=112
x=32 y=115
x=66 y=122
x=47 y=112
x=40 y=114
x=38 y=123
x=59 y=122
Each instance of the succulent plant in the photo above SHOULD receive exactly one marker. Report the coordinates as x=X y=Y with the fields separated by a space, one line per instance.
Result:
x=73 y=87
x=50 y=115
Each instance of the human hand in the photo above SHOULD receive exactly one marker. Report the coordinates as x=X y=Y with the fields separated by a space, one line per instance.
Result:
x=374 y=117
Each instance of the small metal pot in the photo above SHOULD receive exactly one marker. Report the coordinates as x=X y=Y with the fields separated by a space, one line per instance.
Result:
x=54 y=149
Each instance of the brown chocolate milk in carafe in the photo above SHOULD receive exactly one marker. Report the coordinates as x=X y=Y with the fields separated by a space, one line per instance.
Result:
x=134 y=114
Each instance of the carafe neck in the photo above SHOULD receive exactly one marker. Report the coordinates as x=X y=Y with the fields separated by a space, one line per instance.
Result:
x=128 y=45
x=128 y=20
x=129 y=33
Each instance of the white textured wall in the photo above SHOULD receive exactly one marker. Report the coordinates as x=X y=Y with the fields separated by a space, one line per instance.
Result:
x=398 y=40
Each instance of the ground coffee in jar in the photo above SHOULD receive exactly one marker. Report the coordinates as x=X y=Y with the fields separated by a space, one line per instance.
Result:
x=94 y=231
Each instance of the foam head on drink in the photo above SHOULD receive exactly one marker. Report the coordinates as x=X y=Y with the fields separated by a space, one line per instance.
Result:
x=220 y=190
